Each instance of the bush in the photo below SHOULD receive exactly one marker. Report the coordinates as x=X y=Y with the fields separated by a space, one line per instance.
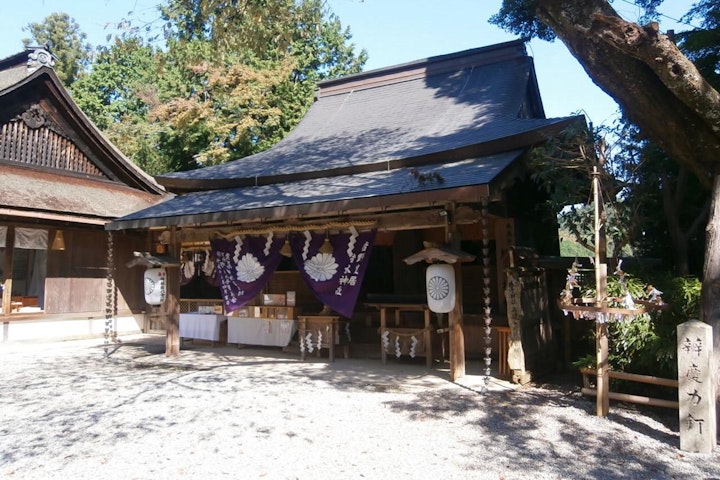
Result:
x=647 y=344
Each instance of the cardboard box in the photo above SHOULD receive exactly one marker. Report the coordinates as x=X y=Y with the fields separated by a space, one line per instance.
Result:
x=274 y=299
x=290 y=299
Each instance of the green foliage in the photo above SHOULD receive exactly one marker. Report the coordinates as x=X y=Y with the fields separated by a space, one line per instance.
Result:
x=702 y=45
x=518 y=17
x=66 y=41
x=234 y=78
x=647 y=344
x=564 y=166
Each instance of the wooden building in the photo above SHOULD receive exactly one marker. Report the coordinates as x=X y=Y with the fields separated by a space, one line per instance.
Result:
x=61 y=182
x=429 y=151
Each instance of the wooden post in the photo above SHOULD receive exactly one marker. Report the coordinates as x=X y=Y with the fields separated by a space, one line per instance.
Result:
x=427 y=337
x=172 y=303
x=383 y=327
x=7 y=286
x=455 y=317
x=601 y=330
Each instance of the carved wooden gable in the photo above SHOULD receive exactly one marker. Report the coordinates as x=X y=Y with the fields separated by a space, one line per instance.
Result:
x=32 y=138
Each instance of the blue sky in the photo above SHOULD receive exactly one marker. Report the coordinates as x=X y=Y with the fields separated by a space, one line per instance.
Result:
x=392 y=31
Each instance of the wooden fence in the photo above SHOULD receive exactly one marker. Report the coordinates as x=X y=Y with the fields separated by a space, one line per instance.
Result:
x=589 y=390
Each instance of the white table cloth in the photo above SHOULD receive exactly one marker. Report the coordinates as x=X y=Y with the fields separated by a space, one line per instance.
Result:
x=261 y=331
x=202 y=326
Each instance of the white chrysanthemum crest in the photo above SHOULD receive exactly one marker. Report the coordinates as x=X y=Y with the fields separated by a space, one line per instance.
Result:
x=321 y=267
x=249 y=269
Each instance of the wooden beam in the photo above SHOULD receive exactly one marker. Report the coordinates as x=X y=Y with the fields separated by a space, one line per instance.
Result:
x=388 y=221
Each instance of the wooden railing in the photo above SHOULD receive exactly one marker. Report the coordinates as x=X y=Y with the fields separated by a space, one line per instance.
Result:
x=589 y=390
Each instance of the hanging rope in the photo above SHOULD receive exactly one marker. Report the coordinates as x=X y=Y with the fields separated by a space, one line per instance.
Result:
x=297 y=228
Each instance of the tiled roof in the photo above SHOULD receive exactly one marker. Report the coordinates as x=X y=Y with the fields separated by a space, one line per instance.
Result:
x=234 y=203
x=457 y=104
x=466 y=115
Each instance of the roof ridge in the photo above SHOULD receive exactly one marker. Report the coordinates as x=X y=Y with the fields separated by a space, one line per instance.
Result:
x=423 y=68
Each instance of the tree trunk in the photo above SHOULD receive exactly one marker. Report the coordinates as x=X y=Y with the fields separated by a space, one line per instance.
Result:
x=710 y=306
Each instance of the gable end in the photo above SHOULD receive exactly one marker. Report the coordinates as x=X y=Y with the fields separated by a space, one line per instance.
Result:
x=31 y=139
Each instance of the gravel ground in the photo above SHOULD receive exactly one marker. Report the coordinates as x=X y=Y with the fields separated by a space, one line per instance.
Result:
x=68 y=412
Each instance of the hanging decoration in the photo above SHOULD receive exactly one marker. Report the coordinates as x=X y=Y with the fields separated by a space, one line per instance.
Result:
x=408 y=341
x=195 y=263
x=111 y=297
x=333 y=266
x=487 y=319
x=243 y=266
x=440 y=287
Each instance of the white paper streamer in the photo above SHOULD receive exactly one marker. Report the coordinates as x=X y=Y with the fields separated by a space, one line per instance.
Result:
x=306 y=247
x=386 y=340
x=208 y=267
x=268 y=244
x=398 y=352
x=308 y=339
x=352 y=241
x=319 y=342
x=413 y=346
x=238 y=247
x=189 y=269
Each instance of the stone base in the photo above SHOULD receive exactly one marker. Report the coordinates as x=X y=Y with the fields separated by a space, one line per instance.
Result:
x=521 y=377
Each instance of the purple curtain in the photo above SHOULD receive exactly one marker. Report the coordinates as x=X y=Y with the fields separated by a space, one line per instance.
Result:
x=243 y=266
x=335 y=278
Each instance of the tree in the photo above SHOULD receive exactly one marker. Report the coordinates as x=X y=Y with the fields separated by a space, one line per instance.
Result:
x=564 y=166
x=659 y=89
x=671 y=204
x=234 y=78
x=66 y=42
x=118 y=94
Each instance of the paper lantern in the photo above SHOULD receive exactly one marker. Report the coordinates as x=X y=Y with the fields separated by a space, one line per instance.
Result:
x=440 y=287
x=155 y=285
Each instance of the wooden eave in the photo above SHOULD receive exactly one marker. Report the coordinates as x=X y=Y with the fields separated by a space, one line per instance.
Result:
x=59 y=106
x=342 y=208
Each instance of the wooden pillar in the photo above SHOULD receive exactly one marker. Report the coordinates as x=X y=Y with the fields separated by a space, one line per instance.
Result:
x=455 y=317
x=427 y=337
x=172 y=303
x=457 y=335
x=383 y=327
x=601 y=330
x=7 y=285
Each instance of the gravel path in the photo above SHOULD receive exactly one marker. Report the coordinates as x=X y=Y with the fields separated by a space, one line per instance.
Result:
x=68 y=412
